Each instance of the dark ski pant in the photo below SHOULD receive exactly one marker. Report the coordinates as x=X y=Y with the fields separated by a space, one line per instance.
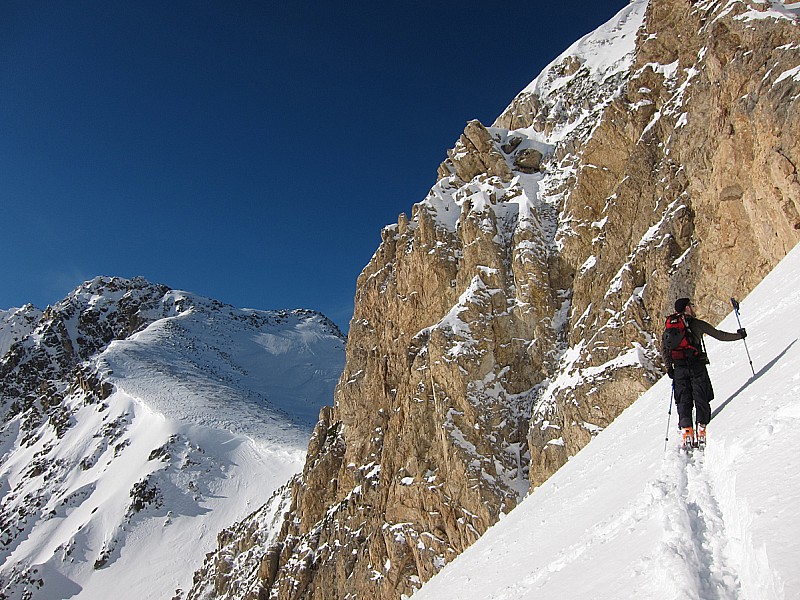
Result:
x=692 y=390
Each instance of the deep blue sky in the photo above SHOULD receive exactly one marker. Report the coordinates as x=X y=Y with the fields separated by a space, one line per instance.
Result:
x=246 y=151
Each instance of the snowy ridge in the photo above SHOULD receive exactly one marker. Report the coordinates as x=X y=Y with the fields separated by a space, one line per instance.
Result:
x=250 y=368
x=165 y=418
x=15 y=324
x=591 y=70
x=626 y=514
x=573 y=89
x=604 y=52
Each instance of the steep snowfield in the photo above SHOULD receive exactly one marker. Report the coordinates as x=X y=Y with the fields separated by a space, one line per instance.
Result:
x=211 y=412
x=89 y=540
x=247 y=371
x=627 y=518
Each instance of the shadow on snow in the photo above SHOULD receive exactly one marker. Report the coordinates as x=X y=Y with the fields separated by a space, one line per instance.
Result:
x=747 y=383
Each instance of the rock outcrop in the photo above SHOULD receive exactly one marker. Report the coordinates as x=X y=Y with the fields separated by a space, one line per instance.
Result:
x=517 y=312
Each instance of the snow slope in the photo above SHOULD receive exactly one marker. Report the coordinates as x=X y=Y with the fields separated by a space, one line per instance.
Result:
x=210 y=413
x=629 y=518
x=247 y=371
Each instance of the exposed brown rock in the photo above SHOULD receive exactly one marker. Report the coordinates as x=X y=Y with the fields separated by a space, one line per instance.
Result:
x=528 y=160
x=476 y=153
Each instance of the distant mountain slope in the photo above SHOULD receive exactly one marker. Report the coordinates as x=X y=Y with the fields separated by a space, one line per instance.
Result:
x=139 y=421
x=627 y=518
x=246 y=369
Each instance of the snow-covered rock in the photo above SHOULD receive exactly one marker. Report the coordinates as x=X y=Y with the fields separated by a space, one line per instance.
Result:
x=15 y=324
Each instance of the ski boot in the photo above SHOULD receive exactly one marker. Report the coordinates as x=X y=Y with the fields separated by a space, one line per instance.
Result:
x=700 y=442
x=688 y=438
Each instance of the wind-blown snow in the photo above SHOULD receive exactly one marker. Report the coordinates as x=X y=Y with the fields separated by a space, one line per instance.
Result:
x=628 y=518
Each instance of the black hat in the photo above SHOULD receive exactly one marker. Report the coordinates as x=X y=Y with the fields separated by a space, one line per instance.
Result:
x=681 y=304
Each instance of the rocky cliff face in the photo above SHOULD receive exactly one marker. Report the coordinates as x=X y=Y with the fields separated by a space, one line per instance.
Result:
x=687 y=187
x=517 y=311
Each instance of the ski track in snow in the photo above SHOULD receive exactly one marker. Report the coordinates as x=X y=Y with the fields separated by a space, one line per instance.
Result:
x=694 y=547
x=693 y=558
x=696 y=557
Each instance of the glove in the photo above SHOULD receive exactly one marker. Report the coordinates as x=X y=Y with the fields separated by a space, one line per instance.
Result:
x=671 y=372
x=742 y=332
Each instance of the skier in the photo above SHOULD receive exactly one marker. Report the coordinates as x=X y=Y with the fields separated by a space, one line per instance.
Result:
x=684 y=354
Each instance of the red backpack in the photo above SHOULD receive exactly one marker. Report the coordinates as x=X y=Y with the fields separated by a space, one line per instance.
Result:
x=678 y=339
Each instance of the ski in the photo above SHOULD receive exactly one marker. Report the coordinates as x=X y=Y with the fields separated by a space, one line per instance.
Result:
x=693 y=439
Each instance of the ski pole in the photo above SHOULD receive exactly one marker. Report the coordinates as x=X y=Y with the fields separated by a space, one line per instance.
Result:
x=735 y=305
x=669 y=416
